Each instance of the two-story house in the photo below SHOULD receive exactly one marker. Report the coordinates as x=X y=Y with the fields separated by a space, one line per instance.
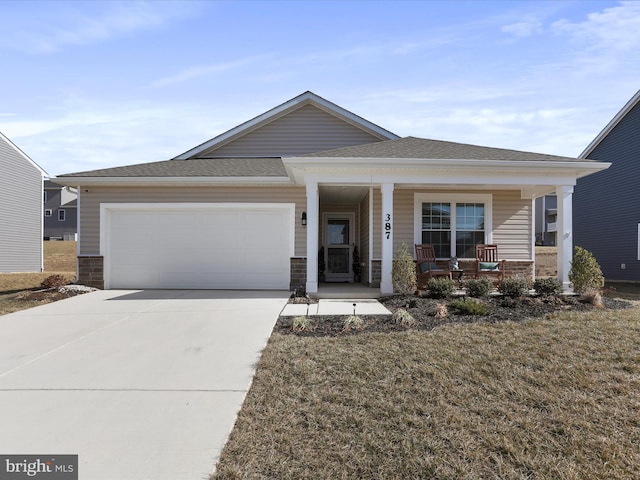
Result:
x=60 y=212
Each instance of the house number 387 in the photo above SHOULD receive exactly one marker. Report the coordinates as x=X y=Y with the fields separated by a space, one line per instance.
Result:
x=387 y=226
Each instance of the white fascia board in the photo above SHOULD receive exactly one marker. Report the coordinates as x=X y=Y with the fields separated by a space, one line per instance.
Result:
x=463 y=179
x=460 y=171
x=170 y=181
x=437 y=162
x=353 y=118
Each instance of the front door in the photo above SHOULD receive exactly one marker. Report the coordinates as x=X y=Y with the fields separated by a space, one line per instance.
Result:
x=338 y=241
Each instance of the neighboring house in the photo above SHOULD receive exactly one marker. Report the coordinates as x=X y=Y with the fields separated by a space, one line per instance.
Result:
x=282 y=200
x=546 y=220
x=607 y=205
x=21 y=206
x=60 y=212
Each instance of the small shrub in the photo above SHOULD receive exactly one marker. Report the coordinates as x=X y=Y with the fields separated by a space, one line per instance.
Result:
x=54 y=281
x=353 y=322
x=466 y=306
x=478 y=288
x=404 y=318
x=403 y=272
x=513 y=287
x=585 y=273
x=440 y=287
x=593 y=297
x=302 y=324
x=547 y=287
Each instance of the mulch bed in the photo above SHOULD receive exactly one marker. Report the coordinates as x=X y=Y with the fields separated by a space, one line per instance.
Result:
x=51 y=295
x=424 y=310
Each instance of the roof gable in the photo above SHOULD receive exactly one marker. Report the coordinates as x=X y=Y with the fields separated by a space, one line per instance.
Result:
x=19 y=153
x=630 y=105
x=301 y=125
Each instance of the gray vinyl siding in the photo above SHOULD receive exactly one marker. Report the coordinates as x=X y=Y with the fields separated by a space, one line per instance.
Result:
x=54 y=228
x=21 y=200
x=512 y=221
x=513 y=225
x=305 y=130
x=606 y=205
x=89 y=235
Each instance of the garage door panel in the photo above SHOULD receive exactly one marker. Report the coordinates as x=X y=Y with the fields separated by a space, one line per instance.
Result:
x=213 y=247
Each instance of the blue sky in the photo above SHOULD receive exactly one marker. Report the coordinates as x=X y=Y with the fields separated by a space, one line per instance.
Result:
x=89 y=85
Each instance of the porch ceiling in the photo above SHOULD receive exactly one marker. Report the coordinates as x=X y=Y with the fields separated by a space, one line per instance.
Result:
x=342 y=194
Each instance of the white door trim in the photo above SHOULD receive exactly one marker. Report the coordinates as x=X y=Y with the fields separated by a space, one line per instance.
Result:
x=352 y=223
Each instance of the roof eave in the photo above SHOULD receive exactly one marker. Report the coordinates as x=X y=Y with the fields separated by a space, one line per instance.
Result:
x=438 y=162
x=169 y=181
x=298 y=167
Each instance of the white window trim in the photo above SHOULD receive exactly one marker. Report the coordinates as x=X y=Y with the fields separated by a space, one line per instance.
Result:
x=48 y=212
x=639 y=241
x=453 y=198
x=62 y=212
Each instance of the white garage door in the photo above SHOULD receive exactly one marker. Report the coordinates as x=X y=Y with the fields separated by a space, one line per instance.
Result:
x=225 y=246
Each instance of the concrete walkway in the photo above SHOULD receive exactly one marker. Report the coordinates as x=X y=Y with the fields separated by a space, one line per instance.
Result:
x=336 y=307
x=139 y=384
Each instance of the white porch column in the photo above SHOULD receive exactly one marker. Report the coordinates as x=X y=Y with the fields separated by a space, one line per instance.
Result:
x=386 y=284
x=564 y=234
x=313 y=212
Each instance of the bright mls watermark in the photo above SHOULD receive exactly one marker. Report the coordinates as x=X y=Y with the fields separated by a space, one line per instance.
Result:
x=49 y=467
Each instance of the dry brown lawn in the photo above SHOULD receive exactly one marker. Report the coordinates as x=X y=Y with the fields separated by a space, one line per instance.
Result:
x=546 y=262
x=59 y=258
x=553 y=398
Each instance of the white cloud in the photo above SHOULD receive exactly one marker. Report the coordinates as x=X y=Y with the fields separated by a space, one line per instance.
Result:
x=525 y=28
x=205 y=70
x=47 y=28
x=614 y=29
x=93 y=136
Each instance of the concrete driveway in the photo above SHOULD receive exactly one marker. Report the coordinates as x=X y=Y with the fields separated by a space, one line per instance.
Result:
x=139 y=384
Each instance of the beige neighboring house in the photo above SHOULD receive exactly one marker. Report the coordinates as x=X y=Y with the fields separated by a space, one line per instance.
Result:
x=21 y=204
x=283 y=200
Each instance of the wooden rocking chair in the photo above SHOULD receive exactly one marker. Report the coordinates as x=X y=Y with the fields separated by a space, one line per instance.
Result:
x=427 y=267
x=487 y=263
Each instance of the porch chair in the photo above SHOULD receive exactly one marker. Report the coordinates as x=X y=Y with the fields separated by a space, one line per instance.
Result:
x=487 y=263
x=427 y=267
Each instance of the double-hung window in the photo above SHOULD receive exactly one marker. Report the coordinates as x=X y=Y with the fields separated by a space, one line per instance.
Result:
x=454 y=224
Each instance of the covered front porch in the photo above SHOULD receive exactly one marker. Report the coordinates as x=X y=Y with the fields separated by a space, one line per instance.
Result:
x=398 y=182
x=376 y=218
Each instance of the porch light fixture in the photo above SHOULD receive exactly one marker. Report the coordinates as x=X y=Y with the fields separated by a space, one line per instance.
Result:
x=303 y=219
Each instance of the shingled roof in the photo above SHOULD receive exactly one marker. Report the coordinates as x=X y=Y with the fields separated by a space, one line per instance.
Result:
x=408 y=147
x=412 y=147
x=200 y=167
